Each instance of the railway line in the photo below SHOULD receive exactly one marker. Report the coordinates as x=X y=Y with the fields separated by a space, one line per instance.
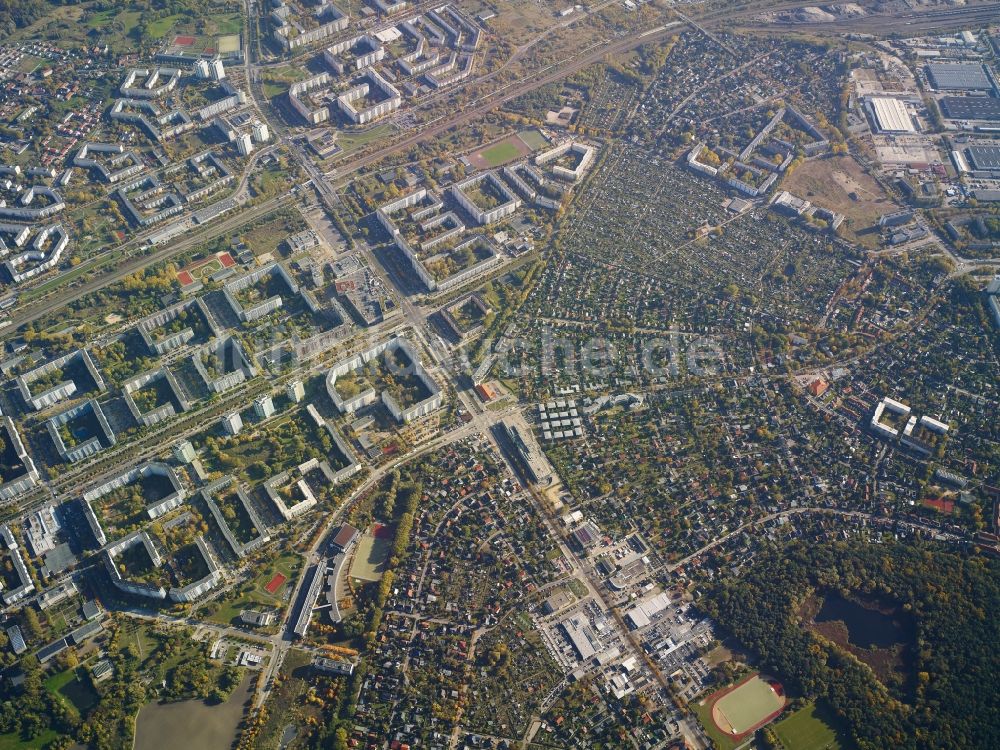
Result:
x=914 y=23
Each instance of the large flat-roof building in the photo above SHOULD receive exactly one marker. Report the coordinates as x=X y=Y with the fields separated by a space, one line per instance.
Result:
x=890 y=115
x=64 y=376
x=971 y=107
x=241 y=545
x=958 y=76
x=92 y=432
x=643 y=613
x=984 y=158
x=16 y=640
x=581 y=636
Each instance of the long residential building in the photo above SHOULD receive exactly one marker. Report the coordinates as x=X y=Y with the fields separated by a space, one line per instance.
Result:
x=21 y=474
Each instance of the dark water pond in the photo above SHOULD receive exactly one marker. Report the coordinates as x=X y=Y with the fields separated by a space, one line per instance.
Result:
x=865 y=627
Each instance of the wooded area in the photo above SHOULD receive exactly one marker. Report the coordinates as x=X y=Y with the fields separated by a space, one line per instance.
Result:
x=953 y=602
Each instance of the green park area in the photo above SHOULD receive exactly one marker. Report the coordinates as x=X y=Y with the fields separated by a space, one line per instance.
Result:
x=255 y=593
x=159 y=28
x=73 y=688
x=114 y=18
x=14 y=741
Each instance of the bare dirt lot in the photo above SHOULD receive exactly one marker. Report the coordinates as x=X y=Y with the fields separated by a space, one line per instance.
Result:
x=193 y=725
x=839 y=183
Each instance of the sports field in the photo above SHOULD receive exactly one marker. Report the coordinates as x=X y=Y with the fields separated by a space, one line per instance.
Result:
x=509 y=149
x=533 y=139
x=275 y=583
x=745 y=707
x=206 y=267
x=501 y=153
x=809 y=728
x=228 y=43
x=372 y=553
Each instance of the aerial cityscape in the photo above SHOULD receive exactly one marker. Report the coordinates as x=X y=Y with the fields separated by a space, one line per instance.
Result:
x=499 y=374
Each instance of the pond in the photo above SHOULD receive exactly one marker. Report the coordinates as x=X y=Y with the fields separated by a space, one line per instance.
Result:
x=192 y=725
x=865 y=627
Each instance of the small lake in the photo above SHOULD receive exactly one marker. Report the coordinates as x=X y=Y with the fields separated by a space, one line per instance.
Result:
x=865 y=627
x=192 y=725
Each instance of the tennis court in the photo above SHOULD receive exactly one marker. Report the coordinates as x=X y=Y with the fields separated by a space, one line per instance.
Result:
x=275 y=584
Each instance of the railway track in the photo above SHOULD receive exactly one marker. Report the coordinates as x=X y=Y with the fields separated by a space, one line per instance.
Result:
x=913 y=24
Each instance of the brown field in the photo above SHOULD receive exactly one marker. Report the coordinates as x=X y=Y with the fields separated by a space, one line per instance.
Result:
x=829 y=183
x=192 y=724
x=520 y=21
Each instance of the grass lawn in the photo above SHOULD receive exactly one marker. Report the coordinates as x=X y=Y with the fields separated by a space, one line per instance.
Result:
x=286 y=73
x=145 y=637
x=810 y=728
x=718 y=655
x=278 y=80
x=29 y=63
x=101 y=19
x=268 y=236
x=159 y=28
x=227 y=23
x=272 y=90
x=501 y=153
x=58 y=681
x=14 y=742
x=69 y=276
x=830 y=182
x=144 y=640
x=577 y=586
x=126 y=20
x=352 y=141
